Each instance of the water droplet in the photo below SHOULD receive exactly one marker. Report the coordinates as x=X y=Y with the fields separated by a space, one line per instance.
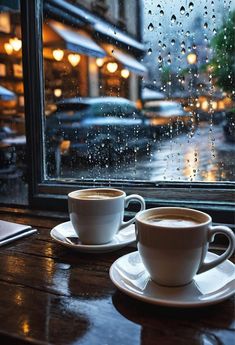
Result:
x=151 y=27
x=187 y=33
x=191 y=5
x=149 y=52
x=159 y=59
x=183 y=51
x=187 y=14
x=162 y=13
x=205 y=25
x=159 y=43
x=172 y=42
x=173 y=18
x=149 y=12
x=163 y=46
x=182 y=44
x=182 y=10
x=158 y=6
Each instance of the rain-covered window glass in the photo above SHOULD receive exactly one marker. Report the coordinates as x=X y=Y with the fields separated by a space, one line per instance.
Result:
x=139 y=90
x=13 y=177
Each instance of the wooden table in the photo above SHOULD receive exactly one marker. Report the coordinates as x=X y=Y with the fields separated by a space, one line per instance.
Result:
x=51 y=295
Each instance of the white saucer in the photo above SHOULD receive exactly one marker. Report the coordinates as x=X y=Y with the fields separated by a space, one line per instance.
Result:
x=213 y=286
x=121 y=239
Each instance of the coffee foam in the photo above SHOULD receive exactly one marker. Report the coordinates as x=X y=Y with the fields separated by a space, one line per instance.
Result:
x=172 y=221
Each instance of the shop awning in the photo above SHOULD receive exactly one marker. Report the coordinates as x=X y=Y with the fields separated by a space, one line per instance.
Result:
x=76 y=41
x=127 y=60
x=148 y=94
x=100 y=26
x=114 y=33
x=6 y=95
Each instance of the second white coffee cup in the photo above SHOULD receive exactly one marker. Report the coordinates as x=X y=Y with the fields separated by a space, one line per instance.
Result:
x=97 y=214
x=173 y=243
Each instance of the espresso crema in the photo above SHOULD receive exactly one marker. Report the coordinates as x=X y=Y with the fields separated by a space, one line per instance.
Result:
x=172 y=221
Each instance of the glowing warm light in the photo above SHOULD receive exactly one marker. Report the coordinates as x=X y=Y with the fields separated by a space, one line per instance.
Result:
x=139 y=104
x=198 y=104
x=112 y=67
x=8 y=48
x=125 y=73
x=205 y=105
x=58 y=54
x=214 y=105
x=64 y=146
x=25 y=327
x=15 y=43
x=74 y=59
x=221 y=105
x=99 y=62
x=192 y=58
x=57 y=92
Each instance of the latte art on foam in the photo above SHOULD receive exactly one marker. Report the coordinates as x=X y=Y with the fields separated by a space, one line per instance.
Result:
x=172 y=221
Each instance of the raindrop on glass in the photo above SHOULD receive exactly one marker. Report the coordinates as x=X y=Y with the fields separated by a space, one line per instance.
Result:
x=149 y=12
x=159 y=59
x=182 y=10
x=162 y=13
x=191 y=5
x=151 y=27
x=149 y=52
x=172 y=42
x=173 y=18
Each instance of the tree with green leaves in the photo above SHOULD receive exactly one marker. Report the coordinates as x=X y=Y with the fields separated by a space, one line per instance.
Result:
x=223 y=61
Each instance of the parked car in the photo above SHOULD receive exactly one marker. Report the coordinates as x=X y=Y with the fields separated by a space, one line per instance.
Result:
x=102 y=129
x=229 y=126
x=165 y=115
x=215 y=117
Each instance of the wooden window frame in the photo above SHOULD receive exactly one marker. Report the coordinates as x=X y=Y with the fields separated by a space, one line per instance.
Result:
x=214 y=198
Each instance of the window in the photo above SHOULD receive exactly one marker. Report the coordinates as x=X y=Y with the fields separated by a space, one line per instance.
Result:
x=13 y=168
x=150 y=115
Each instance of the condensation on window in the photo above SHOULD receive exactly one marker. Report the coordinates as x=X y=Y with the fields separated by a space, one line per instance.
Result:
x=145 y=96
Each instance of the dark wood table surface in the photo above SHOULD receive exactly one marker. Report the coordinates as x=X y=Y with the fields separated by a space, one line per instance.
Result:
x=51 y=295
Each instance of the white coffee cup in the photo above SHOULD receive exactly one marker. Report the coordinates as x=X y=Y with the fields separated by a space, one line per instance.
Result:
x=173 y=243
x=97 y=214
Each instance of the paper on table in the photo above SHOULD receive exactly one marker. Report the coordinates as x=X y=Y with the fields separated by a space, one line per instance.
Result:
x=12 y=231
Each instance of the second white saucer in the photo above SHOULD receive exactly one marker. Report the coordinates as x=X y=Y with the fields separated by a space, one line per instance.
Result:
x=129 y=275
x=121 y=239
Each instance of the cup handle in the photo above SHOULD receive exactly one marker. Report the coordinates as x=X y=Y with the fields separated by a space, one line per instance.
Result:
x=205 y=266
x=128 y=199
